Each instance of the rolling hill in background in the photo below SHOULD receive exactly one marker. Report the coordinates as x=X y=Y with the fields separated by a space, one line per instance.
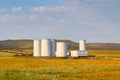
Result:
x=28 y=44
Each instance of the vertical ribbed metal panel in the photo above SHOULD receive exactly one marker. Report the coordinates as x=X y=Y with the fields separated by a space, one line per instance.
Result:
x=53 y=47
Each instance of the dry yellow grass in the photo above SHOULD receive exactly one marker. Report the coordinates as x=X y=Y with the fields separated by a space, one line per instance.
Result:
x=105 y=53
x=30 y=68
x=24 y=68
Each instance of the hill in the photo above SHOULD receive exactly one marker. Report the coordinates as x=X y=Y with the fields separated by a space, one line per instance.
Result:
x=103 y=46
x=16 y=44
x=28 y=44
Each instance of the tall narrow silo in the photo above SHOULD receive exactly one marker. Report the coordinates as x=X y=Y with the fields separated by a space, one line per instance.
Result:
x=37 y=50
x=45 y=47
x=82 y=45
x=61 y=50
x=53 y=47
x=82 y=48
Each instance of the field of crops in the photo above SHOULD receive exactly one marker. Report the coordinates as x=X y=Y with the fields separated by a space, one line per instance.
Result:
x=30 y=68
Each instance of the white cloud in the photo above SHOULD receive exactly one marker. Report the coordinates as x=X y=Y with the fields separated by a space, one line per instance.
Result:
x=62 y=21
x=39 y=9
x=107 y=1
x=51 y=14
x=58 y=9
x=93 y=2
x=7 y=18
x=71 y=10
x=17 y=9
x=48 y=9
x=34 y=17
x=4 y=18
x=2 y=10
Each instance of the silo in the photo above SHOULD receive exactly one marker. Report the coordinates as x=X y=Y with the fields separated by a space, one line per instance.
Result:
x=61 y=49
x=45 y=47
x=53 y=47
x=82 y=48
x=82 y=45
x=36 y=48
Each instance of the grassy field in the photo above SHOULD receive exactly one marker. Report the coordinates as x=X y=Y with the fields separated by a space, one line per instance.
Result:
x=109 y=53
x=105 y=53
x=30 y=68
x=6 y=54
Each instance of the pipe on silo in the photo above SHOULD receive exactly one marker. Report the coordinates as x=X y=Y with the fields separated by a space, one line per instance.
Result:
x=82 y=45
x=61 y=49
x=37 y=49
x=45 y=48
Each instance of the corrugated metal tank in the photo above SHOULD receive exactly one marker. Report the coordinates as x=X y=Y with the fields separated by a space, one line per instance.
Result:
x=53 y=47
x=82 y=45
x=46 y=47
x=37 y=48
x=61 y=49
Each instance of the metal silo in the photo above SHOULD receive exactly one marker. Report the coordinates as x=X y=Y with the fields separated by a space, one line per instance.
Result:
x=37 y=48
x=82 y=48
x=61 y=49
x=53 y=47
x=82 y=45
x=45 y=47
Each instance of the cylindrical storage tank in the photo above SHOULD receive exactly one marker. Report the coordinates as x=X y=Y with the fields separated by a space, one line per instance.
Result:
x=45 y=47
x=82 y=45
x=53 y=47
x=36 y=48
x=61 y=49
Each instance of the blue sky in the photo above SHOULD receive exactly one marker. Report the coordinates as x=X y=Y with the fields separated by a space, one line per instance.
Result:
x=92 y=20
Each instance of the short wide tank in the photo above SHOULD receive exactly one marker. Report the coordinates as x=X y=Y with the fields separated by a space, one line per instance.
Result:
x=61 y=49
